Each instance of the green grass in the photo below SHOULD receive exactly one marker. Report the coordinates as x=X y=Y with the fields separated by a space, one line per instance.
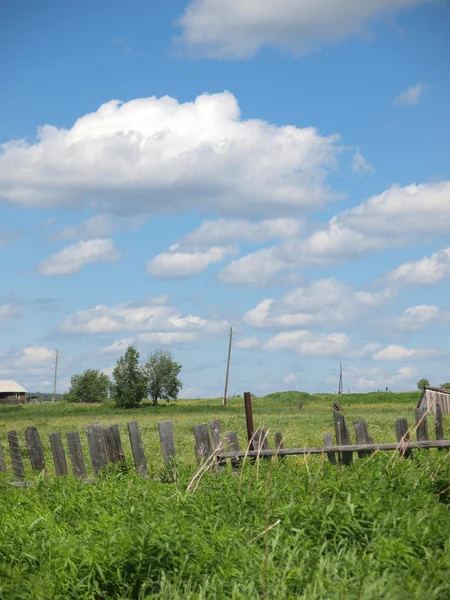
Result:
x=377 y=529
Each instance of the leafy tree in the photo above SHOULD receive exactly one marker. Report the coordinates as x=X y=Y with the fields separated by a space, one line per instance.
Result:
x=423 y=383
x=130 y=385
x=162 y=371
x=89 y=386
x=446 y=386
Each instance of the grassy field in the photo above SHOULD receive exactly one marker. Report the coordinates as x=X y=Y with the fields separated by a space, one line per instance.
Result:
x=377 y=529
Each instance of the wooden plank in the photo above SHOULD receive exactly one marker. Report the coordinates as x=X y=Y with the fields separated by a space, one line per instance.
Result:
x=113 y=443
x=328 y=441
x=249 y=416
x=76 y=454
x=279 y=440
x=342 y=438
x=2 y=461
x=260 y=440
x=350 y=448
x=16 y=455
x=202 y=442
x=232 y=443
x=421 y=424
x=138 y=448
x=97 y=447
x=403 y=437
x=167 y=440
x=59 y=456
x=438 y=423
x=35 y=450
x=361 y=435
x=216 y=438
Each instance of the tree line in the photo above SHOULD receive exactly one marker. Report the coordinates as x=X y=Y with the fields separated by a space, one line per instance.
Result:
x=131 y=382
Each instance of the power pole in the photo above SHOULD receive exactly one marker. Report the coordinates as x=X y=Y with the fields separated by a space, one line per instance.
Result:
x=224 y=401
x=56 y=375
x=341 y=385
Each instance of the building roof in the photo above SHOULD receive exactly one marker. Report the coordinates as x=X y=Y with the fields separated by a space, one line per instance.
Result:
x=10 y=386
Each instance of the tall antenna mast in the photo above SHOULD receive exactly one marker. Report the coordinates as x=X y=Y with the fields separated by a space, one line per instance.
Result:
x=56 y=375
x=341 y=386
x=224 y=401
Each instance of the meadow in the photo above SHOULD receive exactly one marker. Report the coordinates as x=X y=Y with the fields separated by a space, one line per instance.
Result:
x=291 y=528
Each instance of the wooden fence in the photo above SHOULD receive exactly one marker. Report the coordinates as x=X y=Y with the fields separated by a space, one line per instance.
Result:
x=105 y=445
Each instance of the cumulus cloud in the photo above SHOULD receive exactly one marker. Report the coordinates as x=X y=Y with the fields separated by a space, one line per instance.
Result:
x=98 y=226
x=426 y=271
x=418 y=317
x=168 y=338
x=117 y=346
x=375 y=378
x=291 y=378
x=360 y=165
x=248 y=343
x=151 y=316
x=32 y=360
x=72 y=259
x=179 y=264
x=239 y=28
x=309 y=344
x=410 y=96
x=395 y=352
x=9 y=311
x=157 y=155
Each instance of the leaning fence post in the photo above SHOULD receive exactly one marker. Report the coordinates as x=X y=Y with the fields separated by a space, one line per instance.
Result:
x=113 y=443
x=328 y=441
x=342 y=438
x=202 y=442
x=2 y=461
x=402 y=432
x=138 y=448
x=167 y=440
x=15 y=454
x=233 y=446
x=76 y=454
x=97 y=448
x=438 y=423
x=421 y=424
x=35 y=451
x=59 y=456
x=249 y=417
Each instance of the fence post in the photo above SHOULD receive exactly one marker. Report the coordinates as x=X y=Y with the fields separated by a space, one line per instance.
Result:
x=138 y=448
x=328 y=441
x=216 y=437
x=438 y=423
x=59 y=456
x=279 y=445
x=35 y=451
x=402 y=432
x=233 y=446
x=202 y=442
x=97 y=448
x=167 y=440
x=76 y=454
x=342 y=438
x=249 y=417
x=421 y=424
x=2 y=461
x=362 y=436
x=113 y=443
x=15 y=454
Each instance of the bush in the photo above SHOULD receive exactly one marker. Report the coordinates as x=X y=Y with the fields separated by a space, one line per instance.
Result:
x=89 y=386
x=423 y=383
x=446 y=386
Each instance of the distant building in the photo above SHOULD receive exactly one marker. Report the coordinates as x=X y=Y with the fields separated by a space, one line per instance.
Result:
x=11 y=392
x=431 y=395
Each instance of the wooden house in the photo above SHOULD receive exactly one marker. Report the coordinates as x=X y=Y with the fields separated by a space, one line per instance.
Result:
x=431 y=395
x=11 y=392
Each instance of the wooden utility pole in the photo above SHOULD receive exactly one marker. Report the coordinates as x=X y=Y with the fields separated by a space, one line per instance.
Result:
x=56 y=375
x=224 y=401
x=341 y=385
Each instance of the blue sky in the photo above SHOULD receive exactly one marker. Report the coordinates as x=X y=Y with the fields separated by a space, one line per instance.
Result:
x=169 y=170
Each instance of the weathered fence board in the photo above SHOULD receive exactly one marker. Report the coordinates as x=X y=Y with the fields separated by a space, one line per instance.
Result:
x=216 y=437
x=167 y=439
x=202 y=442
x=279 y=440
x=232 y=443
x=421 y=424
x=2 y=461
x=35 y=450
x=328 y=441
x=113 y=443
x=97 y=447
x=16 y=455
x=403 y=437
x=438 y=422
x=260 y=441
x=76 y=454
x=59 y=456
x=138 y=448
x=342 y=438
x=362 y=435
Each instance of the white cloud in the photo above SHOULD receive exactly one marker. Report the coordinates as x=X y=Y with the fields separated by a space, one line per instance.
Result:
x=416 y=318
x=150 y=316
x=290 y=378
x=29 y=361
x=95 y=227
x=157 y=155
x=72 y=259
x=239 y=28
x=9 y=311
x=325 y=303
x=411 y=96
x=306 y=343
x=395 y=352
x=225 y=231
x=248 y=343
x=180 y=264
x=426 y=271
x=375 y=378
x=360 y=165
x=168 y=338
x=117 y=346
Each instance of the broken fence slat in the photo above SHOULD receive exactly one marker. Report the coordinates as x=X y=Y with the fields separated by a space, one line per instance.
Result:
x=76 y=454
x=137 y=448
x=59 y=456
x=361 y=434
x=202 y=442
x=97 y=447
x=403 y=437
x=35 y=450
x=113 y=443
x=342 y=438
x=216 y=437
x=421 y=424
x=167 y=439
x=16 y=455
x=438 y=422
x=232 y=443
x=328 y=441
x=279 y=441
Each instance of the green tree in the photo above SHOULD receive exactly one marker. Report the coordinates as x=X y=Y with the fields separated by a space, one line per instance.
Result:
x=423 y=383
x=161 y=371
x=130 y=385
x=446 y=386
x=89 y=386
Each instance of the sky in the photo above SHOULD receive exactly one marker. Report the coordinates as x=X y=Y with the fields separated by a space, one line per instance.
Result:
x=169 y=170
